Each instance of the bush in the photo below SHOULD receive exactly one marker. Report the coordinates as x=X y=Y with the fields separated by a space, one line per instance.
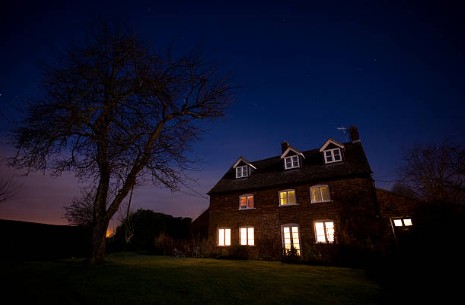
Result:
x=291 y=256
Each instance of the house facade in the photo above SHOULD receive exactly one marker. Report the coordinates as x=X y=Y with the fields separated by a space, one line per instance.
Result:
x=314 y=204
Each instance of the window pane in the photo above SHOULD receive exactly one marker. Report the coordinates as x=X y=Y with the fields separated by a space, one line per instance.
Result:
x=243 y=236
x=320 y=232
x=328 y=156
x=227 y=239
x=221 y=237
x=295 y=161
x=398 y=222
x=250 y=201
x=291 y=195
x=314 y=194
x=337 y=155
x=295 y=239
x=330 y=231
x=407 y=222
x=288 y=163
x=282 y=197
x=325 y=193
x=243 y=202
x=250 y=236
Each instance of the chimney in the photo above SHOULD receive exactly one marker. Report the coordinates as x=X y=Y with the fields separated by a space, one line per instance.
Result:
x=353 y=133
x=284 y=146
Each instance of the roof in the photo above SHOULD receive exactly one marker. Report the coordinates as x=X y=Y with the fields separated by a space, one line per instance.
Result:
x=269 y=172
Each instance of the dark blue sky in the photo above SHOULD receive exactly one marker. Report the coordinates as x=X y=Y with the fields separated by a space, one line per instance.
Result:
x=396 y=69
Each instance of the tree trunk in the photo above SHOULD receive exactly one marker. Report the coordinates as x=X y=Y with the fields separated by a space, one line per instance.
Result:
x=98 y=242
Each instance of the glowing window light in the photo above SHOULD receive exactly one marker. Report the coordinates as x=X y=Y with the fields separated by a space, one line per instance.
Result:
x=324 y=231
x=287 y=197
x=291 y=238
x=247 y=236
x=224 y=237
x=246 y=201
x=319 y=193
x=398 y=222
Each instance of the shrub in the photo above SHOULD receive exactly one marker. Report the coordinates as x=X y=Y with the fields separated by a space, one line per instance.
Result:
x=291 y=256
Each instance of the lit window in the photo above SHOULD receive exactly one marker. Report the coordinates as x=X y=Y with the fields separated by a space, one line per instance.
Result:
x=246 y=202
x=291 y=238
x=403 y=222
x=287 y=197
x=242 y=171
x=324 y=231
x=224 y=237
x=291 y=162
x=247 y=236
x=333 y=155
x=319 y=193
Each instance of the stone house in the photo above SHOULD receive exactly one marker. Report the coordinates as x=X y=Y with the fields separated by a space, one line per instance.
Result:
x=317 y=205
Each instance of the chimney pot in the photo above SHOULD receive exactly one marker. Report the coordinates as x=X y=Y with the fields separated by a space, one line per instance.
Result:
x=353 y=133
x=284 y=146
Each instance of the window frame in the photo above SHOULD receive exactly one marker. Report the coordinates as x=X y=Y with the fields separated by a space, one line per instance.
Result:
x=249 y=241
x=242 y=171
x=225 y=236
x=291 y=226
x=297 y=161
x=287 y=197
x=247 y=207
x=332 y=155
x=319 y=188
x=326 y=234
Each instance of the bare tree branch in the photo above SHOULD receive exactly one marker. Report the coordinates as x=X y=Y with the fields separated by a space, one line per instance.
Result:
x=435 y=172
x=9 y=189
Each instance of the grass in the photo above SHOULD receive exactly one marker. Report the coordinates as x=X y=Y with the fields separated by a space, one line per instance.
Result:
x=128 y=278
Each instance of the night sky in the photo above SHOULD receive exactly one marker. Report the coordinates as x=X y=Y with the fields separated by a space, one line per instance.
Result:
x=395 y=69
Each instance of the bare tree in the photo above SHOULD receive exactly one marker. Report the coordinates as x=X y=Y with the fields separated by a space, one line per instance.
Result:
x=435 y=172
x=9 y=189
x=116 y=114
x=81 y=210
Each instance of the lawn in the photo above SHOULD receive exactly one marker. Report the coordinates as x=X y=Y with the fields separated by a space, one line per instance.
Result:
x=128 y=278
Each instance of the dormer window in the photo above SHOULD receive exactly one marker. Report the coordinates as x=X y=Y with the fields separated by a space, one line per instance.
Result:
x=243 y=168
x=332 y=151
x=333 y=155
x=291 y=157
x=242 y=171
x=291 y=162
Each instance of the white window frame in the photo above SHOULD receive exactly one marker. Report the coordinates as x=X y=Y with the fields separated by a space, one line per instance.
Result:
x=224 y=237
x=247 y=200
x=319 y=189
x=293 y=162
x=287 y=197
x=327 y=236
x=331 y=157
x=242 y=171
x=246 y=236
x=290 y=237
